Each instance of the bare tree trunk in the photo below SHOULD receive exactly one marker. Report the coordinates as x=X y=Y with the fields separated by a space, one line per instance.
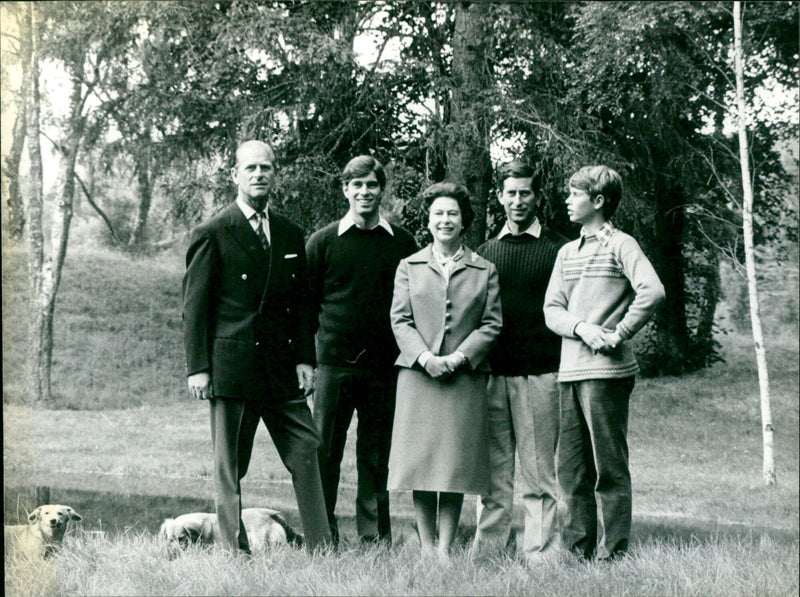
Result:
x=15 y=209
x=468 y=158
x=749 y=252
x=47 y=266
x=39 y=387
x=710 y=299
x=145 y=174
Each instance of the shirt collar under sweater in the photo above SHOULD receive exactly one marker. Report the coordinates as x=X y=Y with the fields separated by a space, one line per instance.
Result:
x=603 y=234
x=535 y=230
x=348 y=221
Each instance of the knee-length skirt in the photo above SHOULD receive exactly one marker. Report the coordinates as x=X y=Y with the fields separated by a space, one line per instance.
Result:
x=439 y=437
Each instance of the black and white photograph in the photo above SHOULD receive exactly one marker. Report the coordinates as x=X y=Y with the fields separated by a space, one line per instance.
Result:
x=400 y=297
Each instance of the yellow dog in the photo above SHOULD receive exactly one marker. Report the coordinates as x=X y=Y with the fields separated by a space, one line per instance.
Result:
x=43 y=535
x=264 y=527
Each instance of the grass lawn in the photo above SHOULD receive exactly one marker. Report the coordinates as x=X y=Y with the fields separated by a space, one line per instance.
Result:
x=123 y=429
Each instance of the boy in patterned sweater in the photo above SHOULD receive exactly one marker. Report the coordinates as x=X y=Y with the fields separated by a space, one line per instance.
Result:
x=602 y=291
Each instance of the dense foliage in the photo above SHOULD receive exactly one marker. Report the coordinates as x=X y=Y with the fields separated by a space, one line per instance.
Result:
x=444 y=89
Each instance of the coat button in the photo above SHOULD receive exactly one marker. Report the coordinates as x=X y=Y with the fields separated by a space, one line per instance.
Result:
x=258 y=343
x=447 y=316
x=244 y=276
x=446 y=329
x=448 y=303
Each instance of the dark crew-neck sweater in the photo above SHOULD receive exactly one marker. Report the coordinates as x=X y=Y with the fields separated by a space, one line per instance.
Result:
x=352 y=280
x=524 y=263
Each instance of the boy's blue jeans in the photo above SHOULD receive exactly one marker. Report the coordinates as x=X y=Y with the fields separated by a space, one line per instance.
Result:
x=593 y=466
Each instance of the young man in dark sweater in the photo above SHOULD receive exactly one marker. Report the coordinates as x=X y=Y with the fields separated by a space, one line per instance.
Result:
x=523 y=389
x=351 y=266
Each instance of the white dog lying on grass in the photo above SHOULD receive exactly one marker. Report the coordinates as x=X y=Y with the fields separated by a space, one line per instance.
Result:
x=264 y=527
x=43 y=535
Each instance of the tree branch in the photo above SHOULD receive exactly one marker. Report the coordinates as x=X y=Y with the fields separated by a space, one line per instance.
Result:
x=61 y=149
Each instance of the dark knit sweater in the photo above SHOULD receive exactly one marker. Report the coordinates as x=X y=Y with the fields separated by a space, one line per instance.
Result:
x=526 y=346
x=352 y=280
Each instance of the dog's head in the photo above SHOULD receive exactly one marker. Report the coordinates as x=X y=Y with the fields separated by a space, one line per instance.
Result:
x=53 y=518
x=186 y=529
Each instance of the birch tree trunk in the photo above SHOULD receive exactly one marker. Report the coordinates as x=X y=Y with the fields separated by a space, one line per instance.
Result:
x=46 y=262
x=750 y=263
x=37 y=389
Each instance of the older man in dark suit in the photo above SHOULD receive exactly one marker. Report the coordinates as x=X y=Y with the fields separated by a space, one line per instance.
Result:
x=248 y=333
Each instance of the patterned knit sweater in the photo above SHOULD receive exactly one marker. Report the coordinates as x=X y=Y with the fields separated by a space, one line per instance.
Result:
x=604 y=279
x=524 y=264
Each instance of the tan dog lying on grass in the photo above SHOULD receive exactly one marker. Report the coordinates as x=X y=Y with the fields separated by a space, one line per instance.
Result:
x=43 y=535
x=264 y=527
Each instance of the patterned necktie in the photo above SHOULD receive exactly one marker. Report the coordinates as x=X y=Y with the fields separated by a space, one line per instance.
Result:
x=261 y=219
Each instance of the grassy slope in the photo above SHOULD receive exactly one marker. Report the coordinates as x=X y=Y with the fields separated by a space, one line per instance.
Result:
x=123 y=421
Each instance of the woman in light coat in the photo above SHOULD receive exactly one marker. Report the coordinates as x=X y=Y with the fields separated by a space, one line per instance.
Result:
x=445 y=317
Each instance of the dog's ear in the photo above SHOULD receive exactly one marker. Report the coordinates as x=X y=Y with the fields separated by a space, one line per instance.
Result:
x=36 y=515
x=165 y=532
x=73 y=515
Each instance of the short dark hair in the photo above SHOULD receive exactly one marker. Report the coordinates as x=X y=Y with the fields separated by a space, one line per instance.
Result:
x=362 y=165
x=448 y=189
x=600 y=180
x=515 y=169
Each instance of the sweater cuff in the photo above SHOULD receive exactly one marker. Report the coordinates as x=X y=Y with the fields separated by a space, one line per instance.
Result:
x=575 y=327
x=624 y=332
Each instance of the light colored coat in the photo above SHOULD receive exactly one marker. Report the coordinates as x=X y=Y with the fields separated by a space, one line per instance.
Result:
x=428 y=313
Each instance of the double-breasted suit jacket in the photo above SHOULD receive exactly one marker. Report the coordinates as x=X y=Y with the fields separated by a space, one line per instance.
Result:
x=246 y=313
x=428 y=313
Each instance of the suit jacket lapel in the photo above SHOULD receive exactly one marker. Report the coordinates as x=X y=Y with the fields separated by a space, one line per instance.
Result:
x=426 y=256
x=277 y=242
x=244 y=235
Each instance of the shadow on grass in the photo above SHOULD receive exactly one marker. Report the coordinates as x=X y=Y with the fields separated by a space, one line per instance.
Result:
x=116 y=514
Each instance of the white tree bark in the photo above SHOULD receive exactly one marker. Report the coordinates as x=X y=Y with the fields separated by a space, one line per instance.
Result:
x=750 y=262
x=35 y=231
x=46 y=262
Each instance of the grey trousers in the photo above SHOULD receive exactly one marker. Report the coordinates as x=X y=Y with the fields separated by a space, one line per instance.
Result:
x=233 y=428
x=593 y=466
x=523 y=419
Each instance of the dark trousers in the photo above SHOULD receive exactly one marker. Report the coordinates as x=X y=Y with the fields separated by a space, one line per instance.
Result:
x=339 y=391
x=593 y=466
x=233 y=428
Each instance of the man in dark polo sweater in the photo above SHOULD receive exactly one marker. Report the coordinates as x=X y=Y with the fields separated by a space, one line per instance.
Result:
x=523 y=389
x=351 y=266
